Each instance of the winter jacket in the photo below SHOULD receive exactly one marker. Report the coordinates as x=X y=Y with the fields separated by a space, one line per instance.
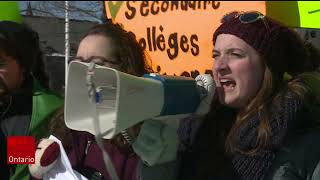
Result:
x=297 y=159
x=86 y=158
x=44 y=104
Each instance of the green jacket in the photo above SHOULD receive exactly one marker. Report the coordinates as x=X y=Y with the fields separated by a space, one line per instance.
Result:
x=299 y=159
x=44 y=104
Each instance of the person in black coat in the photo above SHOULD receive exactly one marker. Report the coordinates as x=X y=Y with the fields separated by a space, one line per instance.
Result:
x=261 y=102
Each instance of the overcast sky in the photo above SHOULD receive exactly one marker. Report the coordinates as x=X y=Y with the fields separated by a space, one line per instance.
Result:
x=74 y=15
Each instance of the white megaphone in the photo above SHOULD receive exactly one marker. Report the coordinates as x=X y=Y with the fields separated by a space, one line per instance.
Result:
x=122 y=100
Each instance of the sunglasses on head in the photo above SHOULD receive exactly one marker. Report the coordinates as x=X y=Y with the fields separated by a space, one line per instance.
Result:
x=245 y=17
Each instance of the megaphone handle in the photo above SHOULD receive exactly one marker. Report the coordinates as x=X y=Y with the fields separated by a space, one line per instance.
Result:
x=92 y=93
x=95 y=98
x=106 y=158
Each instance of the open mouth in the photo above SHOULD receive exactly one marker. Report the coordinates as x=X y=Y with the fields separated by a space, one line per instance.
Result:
x=228 y=84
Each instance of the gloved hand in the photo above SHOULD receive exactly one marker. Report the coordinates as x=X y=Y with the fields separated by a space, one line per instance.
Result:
x=158 y=140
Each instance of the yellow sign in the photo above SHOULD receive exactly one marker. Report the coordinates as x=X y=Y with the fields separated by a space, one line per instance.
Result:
x=297 y=14
x=309 y=12
x=176 y=34
x=9 y=11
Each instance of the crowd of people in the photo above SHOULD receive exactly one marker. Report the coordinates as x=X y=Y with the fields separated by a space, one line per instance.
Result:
x=263 y=123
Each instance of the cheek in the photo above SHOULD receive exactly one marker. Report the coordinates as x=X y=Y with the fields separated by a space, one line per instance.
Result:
x=215 y=75
x=249 y=77
x=12 y=75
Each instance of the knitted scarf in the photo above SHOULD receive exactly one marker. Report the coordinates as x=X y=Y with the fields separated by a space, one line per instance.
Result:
x=282 y=120
x=248 y=167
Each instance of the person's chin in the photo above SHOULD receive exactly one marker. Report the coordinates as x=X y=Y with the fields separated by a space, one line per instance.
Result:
x=231 y=101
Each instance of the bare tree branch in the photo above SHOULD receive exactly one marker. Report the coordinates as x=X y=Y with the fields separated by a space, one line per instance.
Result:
x=44 y=12
x=77 y=9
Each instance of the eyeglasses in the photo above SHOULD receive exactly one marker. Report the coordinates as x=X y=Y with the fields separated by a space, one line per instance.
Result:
x=99 y=60
x=245 y=17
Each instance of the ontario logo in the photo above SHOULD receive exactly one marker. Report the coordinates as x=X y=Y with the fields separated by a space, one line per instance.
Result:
x=21 y=150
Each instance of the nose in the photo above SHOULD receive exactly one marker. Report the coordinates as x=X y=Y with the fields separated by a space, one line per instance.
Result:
x=221 y=66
